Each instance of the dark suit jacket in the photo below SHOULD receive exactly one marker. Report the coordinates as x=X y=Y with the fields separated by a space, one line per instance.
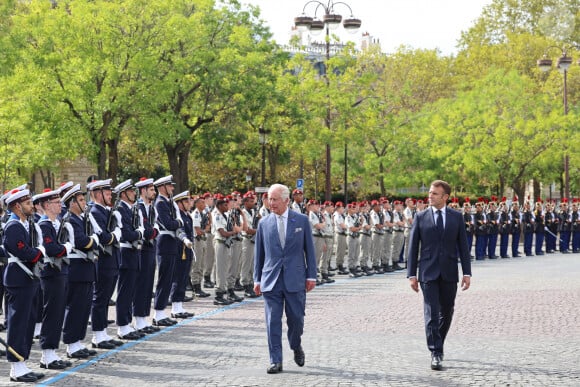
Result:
x=438 y=251
x=297 y=261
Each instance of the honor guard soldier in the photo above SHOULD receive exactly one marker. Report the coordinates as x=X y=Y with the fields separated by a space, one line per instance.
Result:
x=504 y=228
x=53 y=278
x=516 y=227
x=565 y=226
x=209 y=262
x=77 y=228
x=388 y=237
x=492 y=228
x=223 y=230
x=297 y=201
x=170 y=225
x=265 y=209
x=340 y=229
x=62 y=190
x=317 y=224
x=185 y=258
x=22 y=243
x=328 y=232
x=399 y=225
x=539 y=227
x=235 y=218
x=131 y=243
x=528 y=222
x=551 y=221
x=480 y=223
x=469 y=224
x=575 y=218
x=365 y=239
x=377 y=225
x=200 y=226
x=408 y=215
x=108 y=227
x=354 y=225
x=251 y=219
x=146 y=275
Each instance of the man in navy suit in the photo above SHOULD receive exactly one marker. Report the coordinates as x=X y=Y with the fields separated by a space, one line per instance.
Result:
x=438 y=234
x=284 y=270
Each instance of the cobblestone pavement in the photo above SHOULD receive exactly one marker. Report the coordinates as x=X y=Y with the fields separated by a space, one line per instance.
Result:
x=519 y=325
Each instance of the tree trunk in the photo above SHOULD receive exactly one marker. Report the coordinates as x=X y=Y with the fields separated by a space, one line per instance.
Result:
x=381 y=179
x=113 y=150
x=178 y=158
x=102 y=159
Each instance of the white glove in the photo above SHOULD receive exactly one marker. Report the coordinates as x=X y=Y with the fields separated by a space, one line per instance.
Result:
x=42 y=250
x=141 y=230
x=68 y=246
x=188 y=243
x=95 y=225
x=95 y=239
x=117 y=215
x=117 y=234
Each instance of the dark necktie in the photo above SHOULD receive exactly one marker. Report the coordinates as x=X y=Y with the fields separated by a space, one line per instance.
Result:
x=281 y=231
x=439 y=221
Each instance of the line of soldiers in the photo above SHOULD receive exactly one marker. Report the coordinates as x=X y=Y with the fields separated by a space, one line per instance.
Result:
x=545 y=226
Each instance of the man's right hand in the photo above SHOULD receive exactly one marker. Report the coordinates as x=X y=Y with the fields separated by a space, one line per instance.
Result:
x=414 y=284
x=257 y=289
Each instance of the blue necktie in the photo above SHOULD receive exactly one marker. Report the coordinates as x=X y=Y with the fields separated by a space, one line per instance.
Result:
x=440 y=221
x=281 y=231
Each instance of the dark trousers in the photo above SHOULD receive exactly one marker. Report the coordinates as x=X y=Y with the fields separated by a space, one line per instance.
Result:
x=491 y=244
x=503 y=245
x=104 y=288
x=180 y=277
x=277 y=301
x=528 y=238
x=564 y=241
x=144 y=285
x=550 y=242
x=480 y=246
x=438 y=307
x=576 y=241
x=166 y=264
x=21 y=307
x=78 y=310
x=539 y=242
x=515 y=243
x=125 y=295
x=54 y=302
x=469 y=241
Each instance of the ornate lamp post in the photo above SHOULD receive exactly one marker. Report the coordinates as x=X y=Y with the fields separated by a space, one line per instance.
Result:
x=330 y=21
x=262 y=133
x=563 y=64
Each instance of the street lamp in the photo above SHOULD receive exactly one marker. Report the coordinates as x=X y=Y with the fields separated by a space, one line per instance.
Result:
x=330 y=21
x=262 y=138
x=563 y=64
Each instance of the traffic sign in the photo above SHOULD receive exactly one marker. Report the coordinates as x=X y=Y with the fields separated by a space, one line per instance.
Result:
x=300 y=184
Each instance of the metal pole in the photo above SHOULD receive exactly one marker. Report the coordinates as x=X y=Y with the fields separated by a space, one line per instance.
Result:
x=345 y=173
x=263 y=177
x=566 y=156
x=327 y=186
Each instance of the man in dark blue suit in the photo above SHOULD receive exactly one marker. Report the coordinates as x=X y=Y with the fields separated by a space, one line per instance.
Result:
x=284 y=270
x=438 y=235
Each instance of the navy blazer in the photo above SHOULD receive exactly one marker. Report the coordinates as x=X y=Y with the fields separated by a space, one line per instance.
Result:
x=296 y=261
x=166 y=244
x=438 y=251
x=129 y=257
x=53 y=249
x=107 y=262
x=149 y=225
x=81 y=270
x=16 y=241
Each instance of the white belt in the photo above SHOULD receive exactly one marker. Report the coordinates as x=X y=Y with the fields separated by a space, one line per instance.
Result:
x=126 y=245
x=17 y=261
x=165 y=232
x=76 y=254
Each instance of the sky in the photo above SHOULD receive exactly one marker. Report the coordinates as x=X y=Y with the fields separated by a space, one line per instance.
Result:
x=427 y=24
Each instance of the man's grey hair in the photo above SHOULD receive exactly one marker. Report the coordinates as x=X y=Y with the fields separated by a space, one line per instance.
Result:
x=284 y=191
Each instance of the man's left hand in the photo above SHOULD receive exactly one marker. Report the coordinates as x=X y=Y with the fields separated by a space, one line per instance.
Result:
x=465 y=282
x=310 y=285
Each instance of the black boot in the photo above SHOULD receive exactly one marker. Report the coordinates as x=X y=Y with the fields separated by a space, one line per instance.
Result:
x=354 y=273
x=199 y=292
x=220 y=299
x=207 y=282
x=342 y=270
x=238 y=287
x=189 y=285
x=327 y=279
x=249 y=291
x=232 y=296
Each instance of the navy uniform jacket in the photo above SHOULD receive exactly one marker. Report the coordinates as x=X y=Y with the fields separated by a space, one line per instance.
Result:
x=107 y=262
x=16 y=241
x=149 y=225
x=166 y=244
x=438 y=250
x=53 y=248
x=184 y=252
x=129 y=255
x=81 y=270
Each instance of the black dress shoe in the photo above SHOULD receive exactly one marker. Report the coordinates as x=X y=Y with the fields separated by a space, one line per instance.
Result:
x=436 y=363
x=299 y=357
x=89 y=352
x=26 y=378
x=274 y=368
x=147 y=330
x=131 y=336
x=80 y=354
x=102 y=345
x=66 y=363
x=154 y=328
x=116 y=343
x=164 y=322
x=187 y=299
x=53 y=365
x=182 y=315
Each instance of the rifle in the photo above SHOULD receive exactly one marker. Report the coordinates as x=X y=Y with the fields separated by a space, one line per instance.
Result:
x=203 y=225
x=93 y=254
x=229 y=227
x=38 y=266
x=237 y=214
x=355 y=234
x=112 y=219
x=255 y=220
x=180 y=233
x=137 y=222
